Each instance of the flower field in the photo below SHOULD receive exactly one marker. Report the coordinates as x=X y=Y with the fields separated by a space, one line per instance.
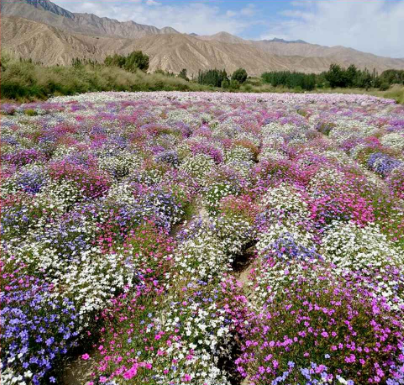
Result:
x=203 y=238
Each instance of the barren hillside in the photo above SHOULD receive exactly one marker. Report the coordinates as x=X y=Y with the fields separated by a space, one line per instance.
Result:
x=47 y=33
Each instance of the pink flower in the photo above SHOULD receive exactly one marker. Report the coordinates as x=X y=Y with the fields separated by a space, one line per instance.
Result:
x=131 y=372
x=85 y=357
x=187 y=378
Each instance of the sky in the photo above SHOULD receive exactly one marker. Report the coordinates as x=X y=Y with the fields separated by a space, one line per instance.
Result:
x=375 y=26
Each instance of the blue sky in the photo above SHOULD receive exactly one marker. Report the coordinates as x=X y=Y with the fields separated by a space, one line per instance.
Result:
x=375 y=26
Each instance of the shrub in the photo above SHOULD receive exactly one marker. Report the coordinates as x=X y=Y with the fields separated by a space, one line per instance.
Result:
x=132 y=62
x=234 y=84
x=240 y=75
x=384 y=87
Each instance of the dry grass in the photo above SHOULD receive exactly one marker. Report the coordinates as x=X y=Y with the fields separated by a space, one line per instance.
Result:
x=396 y=92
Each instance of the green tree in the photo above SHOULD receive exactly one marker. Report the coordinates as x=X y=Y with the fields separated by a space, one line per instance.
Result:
x=115 y=61
x=212 y=77
x=240 y=75
x=392 y=77
x=351 y=75
x=183 y=74
x=136 y=60
x=336 y=76
x=225 y=84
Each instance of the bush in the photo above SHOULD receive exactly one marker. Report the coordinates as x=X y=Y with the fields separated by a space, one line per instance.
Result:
x=225 y=84
x=132 y=62
x=234 y=84
x=392 y=77
x=240 y=75
x=384 y=86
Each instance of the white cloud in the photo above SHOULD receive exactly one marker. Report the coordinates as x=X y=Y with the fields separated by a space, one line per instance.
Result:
x=152 y=2
x=375 y=26
x=197 y=17
x=249 y=10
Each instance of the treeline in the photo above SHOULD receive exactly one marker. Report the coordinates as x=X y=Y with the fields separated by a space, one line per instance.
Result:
x=290 y=79
x=220 y=78
x=336 y=76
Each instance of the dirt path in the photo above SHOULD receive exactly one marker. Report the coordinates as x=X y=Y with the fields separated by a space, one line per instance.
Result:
x=77 y=372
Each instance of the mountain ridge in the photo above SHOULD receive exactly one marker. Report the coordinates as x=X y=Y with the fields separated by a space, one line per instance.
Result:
x=43 y=31
x=46 y=12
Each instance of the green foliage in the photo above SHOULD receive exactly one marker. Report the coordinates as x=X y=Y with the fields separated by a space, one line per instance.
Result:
x=30 y=112
x=240 y=75
x=134 y=61
x=290 y=79
x=24 y=80
x=115 y=61
x=351 y=77
x=164 y=73
x=335 y=77
x=212 y=77
x=225 y=84
x=392 y=77
x=384 y=86
x=234 y=84
x=5 y=58
x=183 y=74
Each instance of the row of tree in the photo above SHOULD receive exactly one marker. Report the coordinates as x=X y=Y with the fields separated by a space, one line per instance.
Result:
x=220 y=78
x=336 y=76
x=350 y=77
x=290 y=79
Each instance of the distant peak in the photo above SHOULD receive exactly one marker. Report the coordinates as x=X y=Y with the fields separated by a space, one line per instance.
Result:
x=223 y=33
x=277 y=40
x=168 y=30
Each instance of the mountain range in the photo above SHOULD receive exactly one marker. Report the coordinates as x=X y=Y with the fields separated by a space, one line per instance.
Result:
x=47 y=33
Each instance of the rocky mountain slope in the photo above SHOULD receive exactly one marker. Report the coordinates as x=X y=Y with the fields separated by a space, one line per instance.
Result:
x=47 y=33
x=46 y=12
